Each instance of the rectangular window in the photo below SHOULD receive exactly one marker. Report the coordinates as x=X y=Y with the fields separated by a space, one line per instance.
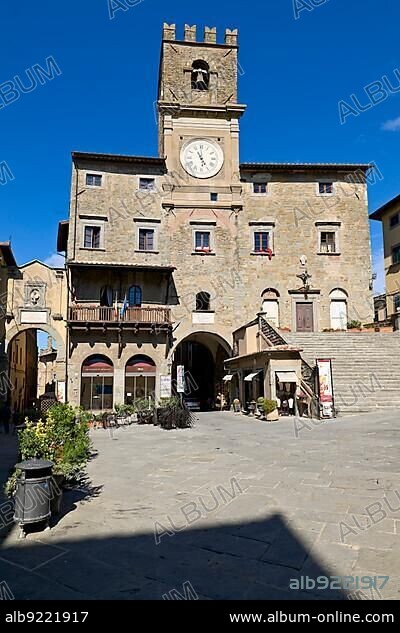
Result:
x=146 y=239
x=202 y=240
x=214 y=197
x=93 y=180
x=327 y=242
x=261 y=241
x=325 y=188
x=147 y=184
x=396 y=254
x=92 y=237
x=396 y=302
x=394 y=220
x=260 y=187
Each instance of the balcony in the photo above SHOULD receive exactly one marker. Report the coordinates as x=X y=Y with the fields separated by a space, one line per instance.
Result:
x=105 y=316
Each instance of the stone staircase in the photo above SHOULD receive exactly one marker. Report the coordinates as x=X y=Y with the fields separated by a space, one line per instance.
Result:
x=366 y=366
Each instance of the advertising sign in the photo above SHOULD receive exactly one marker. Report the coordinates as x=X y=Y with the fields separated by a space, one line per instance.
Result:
x=180 y=379
x=165 y=387
x=325 y=386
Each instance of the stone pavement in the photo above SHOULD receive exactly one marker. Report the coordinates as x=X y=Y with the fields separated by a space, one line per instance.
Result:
x=234 y=508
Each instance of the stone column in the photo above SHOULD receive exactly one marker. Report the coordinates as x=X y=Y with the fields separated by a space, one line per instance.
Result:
x=119 y=385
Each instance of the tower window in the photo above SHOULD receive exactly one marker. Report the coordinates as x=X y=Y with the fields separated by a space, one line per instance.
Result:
x=203 y=302
x=200 y=75
x=394 y=220
x=202 y=241
x=261 y=241
x=327 y=242
x=325 y=188
x=92 y=237
x=147 y=184
x=260 y=187
x=93 y=180
x=214 y=197
x=146 y=239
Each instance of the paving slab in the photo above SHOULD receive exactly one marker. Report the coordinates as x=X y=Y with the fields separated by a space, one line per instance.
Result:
x=236 y=508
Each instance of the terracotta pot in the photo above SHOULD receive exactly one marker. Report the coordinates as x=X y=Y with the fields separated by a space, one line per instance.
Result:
x=273 y=416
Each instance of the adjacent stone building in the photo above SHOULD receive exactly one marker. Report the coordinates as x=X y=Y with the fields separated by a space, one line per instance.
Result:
x=168 y=255
x=36 y=301
x=389 y=215
x=7 y=267
x=23 y=371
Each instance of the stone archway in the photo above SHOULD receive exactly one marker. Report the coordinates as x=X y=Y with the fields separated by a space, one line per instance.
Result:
x=17 y=329
x=202 y=354
x=32 y=375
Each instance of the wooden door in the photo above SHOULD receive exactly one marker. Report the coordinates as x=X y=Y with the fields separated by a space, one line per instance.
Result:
x=304 y=317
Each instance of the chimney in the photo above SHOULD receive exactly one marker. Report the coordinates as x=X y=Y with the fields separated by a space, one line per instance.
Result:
x=210 y=35
x=190 y=33
x=169 y=31
x=231 y=37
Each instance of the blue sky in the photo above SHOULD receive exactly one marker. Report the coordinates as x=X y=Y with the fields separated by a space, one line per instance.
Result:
x=295 y=73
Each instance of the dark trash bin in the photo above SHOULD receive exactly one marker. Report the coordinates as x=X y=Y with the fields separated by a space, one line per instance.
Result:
x=33 y=494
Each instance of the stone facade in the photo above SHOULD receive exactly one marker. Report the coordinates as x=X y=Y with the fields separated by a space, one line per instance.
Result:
x=7 y=267
x=389 y=216
x=23 y=371
x=313 y=213
x=37 y=300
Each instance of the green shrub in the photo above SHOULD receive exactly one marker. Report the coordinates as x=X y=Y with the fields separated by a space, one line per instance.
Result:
x=269 y=406
x=62 y=438
x=354 y=325
x=260 y=400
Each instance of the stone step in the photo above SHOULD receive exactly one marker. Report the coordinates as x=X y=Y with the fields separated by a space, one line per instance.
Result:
x=366 y=367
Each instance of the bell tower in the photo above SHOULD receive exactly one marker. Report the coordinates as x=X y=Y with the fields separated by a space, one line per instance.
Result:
x=198 y=106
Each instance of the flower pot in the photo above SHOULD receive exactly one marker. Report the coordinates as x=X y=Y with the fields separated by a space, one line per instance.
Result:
x=273 y=416
x=56 y=494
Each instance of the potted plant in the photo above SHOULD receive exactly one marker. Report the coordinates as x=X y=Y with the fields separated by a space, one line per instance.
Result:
x=62 y=438
x=236 y=405
x=260 y=405
x=271 y=410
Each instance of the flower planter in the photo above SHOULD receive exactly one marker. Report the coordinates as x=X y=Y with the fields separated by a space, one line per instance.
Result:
x=273 y=416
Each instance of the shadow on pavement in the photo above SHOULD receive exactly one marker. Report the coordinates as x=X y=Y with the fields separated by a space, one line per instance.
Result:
x=253 y=560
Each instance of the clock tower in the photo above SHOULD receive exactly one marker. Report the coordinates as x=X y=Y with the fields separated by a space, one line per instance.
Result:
x=199 y=114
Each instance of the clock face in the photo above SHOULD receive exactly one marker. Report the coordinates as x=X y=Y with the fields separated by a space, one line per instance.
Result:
x=202 y=158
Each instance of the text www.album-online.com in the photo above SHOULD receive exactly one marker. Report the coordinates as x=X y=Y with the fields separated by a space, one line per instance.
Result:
x=296 y=618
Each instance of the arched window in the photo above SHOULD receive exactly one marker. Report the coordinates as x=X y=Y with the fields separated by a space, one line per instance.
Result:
x=135 y=296
x=270 y=306
x=97 y=383
x=140 y=380
x=203 y=302
x=106 y=297
x=338 y=309
x=200 y=75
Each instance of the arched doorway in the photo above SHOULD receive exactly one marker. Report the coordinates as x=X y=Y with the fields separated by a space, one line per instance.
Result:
x=202 y=354
x=270 y=306
x=338 y=309
x=97 y=383
x=33 y=359
x=140 y=379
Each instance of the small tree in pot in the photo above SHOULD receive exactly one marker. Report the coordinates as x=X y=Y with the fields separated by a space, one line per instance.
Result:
x=271 y=410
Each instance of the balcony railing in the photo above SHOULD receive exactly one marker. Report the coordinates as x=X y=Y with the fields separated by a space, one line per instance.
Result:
x=93 y=314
